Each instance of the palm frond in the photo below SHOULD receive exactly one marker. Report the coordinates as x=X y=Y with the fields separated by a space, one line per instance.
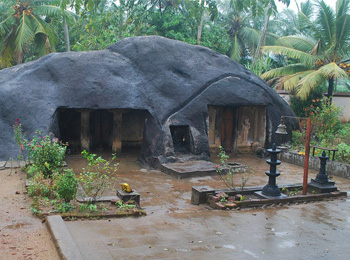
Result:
x=298 y=42
x=24 y=33
x=235 y=53
x=290 y=82
x=306 y=25
x=282 y=71
x=332 y=70
x=252 y=34
x=6 y=24
x=40 y=27
x=342 y=8
x=7 y=50
x=326 y=22
x=54 y=11
x=308 y=83
x=343 y=32
x=292 y=53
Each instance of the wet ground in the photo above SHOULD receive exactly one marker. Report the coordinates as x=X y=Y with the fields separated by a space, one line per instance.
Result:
x=176 y=229
x=22 y=235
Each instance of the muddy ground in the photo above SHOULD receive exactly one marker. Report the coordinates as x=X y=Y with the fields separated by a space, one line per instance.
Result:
x=22 y=235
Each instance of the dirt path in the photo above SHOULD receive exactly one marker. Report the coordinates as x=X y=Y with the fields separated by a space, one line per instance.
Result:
x=22 y=235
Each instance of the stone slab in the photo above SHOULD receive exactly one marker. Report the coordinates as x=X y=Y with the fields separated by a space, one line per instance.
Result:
x=2 y=165
x=126 y=196
x=14 y=164
x=189 y=169
x=63 y=239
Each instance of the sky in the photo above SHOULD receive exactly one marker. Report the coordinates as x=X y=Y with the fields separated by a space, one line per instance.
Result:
x=294 y=7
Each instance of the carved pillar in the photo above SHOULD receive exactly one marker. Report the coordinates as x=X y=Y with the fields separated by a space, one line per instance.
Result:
x=85 y=130
x=117 y=131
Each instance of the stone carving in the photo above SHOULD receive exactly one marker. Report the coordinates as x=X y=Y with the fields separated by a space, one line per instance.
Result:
x=244 y=133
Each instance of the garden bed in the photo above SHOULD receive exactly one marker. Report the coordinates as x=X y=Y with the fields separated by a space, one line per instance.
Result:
x=249 y=198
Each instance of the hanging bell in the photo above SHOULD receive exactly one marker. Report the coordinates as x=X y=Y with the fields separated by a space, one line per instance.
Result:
x=281 y=129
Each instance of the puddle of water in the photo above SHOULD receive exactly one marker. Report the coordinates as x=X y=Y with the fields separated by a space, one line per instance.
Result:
x=281 y=234
x=183 y=250
x=250 y=253
x=229 y=247
x=16 y=226
x=287 y=244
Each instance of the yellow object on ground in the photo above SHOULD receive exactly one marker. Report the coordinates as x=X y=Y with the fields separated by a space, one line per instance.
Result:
x=126 y=187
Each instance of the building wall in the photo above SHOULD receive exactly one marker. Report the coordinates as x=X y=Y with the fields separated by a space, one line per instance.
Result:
x=340 y=99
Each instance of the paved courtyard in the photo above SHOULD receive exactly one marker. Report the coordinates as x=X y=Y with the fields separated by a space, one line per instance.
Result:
x=176 y=229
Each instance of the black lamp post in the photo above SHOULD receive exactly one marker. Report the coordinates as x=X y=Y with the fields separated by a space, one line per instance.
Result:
x=271 y=189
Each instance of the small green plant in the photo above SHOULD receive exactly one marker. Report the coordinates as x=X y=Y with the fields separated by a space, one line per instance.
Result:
x=223 y=198
x=313 y=192
x=98 y=175
x=39 y=186
x=294 y=191
x=229 y=178
x=18 y=136
x=65 y=207
x=121 y=205
x=88 y=207
x=67 y=185
x=284 y=190
x=242 y=198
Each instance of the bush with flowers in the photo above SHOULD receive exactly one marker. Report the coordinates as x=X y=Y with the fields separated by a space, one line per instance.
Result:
x=327 y=129
x=45 y=152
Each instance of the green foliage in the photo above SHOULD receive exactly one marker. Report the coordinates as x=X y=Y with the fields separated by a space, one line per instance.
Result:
x=344 y=152
x=24 y=25
x=121 y=205
x=325 y=119
x=320 y=50
x=297 y=138
x=45 y=152
x=301 y=106
x=40 y=186
x=228 y=179
x=65 y=207
x=88 y=207
x=98 y=175
x=67 y=185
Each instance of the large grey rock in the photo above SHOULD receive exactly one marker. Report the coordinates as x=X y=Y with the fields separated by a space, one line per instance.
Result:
x=174 y=81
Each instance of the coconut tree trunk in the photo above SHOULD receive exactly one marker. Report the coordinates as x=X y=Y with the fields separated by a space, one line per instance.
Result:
x=66 y=34
x=330 y=89
x=199 y=32
x=262 y=37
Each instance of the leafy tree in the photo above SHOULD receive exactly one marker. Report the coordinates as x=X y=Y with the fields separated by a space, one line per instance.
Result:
x=318 y=56
x=27 y=22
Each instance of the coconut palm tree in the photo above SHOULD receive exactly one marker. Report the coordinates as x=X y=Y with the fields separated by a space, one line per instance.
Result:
x=318 y=54
x=27 y=22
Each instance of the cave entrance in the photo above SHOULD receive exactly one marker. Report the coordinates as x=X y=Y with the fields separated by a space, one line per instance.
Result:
x=69 y=127
x=101 y=130
x=181 y=138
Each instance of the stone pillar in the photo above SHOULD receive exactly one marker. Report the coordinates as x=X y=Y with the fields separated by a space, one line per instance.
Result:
x=85 y=130
x=117 y=131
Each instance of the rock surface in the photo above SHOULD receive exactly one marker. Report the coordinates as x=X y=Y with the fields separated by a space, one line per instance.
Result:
x=174 y=81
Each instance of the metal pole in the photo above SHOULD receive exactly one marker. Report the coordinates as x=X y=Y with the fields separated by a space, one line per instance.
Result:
x=307 y=153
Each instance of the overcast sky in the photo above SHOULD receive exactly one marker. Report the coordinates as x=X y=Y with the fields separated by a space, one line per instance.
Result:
x=294 y=7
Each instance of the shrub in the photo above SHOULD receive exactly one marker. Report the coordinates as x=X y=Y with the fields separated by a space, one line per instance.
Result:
x=45 y=152
x=98 y=175
x=67 y=185
x=40 y=186
x=325 y=119
x=344 y=152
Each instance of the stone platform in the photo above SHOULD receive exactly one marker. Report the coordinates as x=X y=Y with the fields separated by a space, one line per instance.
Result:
x=189 y=169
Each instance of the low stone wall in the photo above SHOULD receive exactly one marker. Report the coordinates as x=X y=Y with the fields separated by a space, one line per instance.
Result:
x=333 y=167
